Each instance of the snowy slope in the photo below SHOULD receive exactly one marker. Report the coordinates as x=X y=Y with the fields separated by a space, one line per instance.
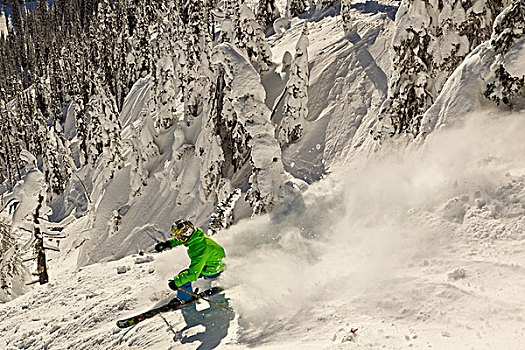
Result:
x=348 y=82
x=436 y=261
x=419 y=247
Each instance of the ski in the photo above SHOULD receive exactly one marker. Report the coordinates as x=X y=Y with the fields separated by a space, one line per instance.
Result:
x=175 y=304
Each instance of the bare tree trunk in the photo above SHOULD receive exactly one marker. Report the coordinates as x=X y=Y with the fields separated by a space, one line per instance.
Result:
x=39 y=245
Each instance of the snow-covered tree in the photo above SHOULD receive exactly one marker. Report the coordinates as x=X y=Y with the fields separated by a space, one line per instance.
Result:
x=166 y=86
x=105 y=129
x=231 y=9
x=12 y=271
x=197 y=44
x=65 y=155
x=250 y=39
x=223 y=142
x=208 y=149
x=142 y=50
x=125 y=61
x=53 y=172
x=432 y=38
x=492 y=75
x=348 y=23
x=82 y=129
x=296 y=7
x=507 y=84
x=11 y=146
x=223 y=216
x=267 y=12
x=295 y=108
x=246 y=95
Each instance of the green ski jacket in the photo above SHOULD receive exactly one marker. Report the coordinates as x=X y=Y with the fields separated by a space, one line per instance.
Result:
x=205 y=254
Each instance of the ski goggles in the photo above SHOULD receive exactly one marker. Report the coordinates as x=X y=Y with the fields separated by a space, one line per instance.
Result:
x=181 y=237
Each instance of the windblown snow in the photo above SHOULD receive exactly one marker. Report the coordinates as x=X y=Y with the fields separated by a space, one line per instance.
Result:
x=419 y=246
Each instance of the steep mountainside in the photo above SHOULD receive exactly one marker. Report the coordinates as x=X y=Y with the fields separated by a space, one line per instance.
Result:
x=372 y=241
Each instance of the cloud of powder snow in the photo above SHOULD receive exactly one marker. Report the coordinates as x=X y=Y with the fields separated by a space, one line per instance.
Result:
x=359 y=226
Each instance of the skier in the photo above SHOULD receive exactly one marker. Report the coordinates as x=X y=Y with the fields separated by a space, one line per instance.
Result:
x=205 y=254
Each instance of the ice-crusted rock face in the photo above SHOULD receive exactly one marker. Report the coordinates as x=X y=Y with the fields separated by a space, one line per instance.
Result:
x=493 y=74
x=432 y=38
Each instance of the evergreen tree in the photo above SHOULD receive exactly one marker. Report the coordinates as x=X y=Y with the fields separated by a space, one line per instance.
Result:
x=20 y=34
x=250 y=39
x=56 y=83
x=209 y=150
x=81 y=126
x=267 y=13
x=166 y=86
x=10 y=144
x=197 y=43
x=12 y=271
x=268 y=176
x=296 y=7
x=105 y=129
x=429 y=44
x=143 y=52
x=295 y=108
x=348 y=24
x=52 y=166
x=506 y=88
x=231 y=9
x=223 y=216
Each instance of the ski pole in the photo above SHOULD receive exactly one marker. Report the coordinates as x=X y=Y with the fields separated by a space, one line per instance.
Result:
x=209 y=301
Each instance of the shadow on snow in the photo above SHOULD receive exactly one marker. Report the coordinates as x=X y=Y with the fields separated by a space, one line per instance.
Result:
x=215 y=321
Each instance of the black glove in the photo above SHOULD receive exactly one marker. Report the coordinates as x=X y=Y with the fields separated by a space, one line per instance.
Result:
x=172 y=285
x=162 y=246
